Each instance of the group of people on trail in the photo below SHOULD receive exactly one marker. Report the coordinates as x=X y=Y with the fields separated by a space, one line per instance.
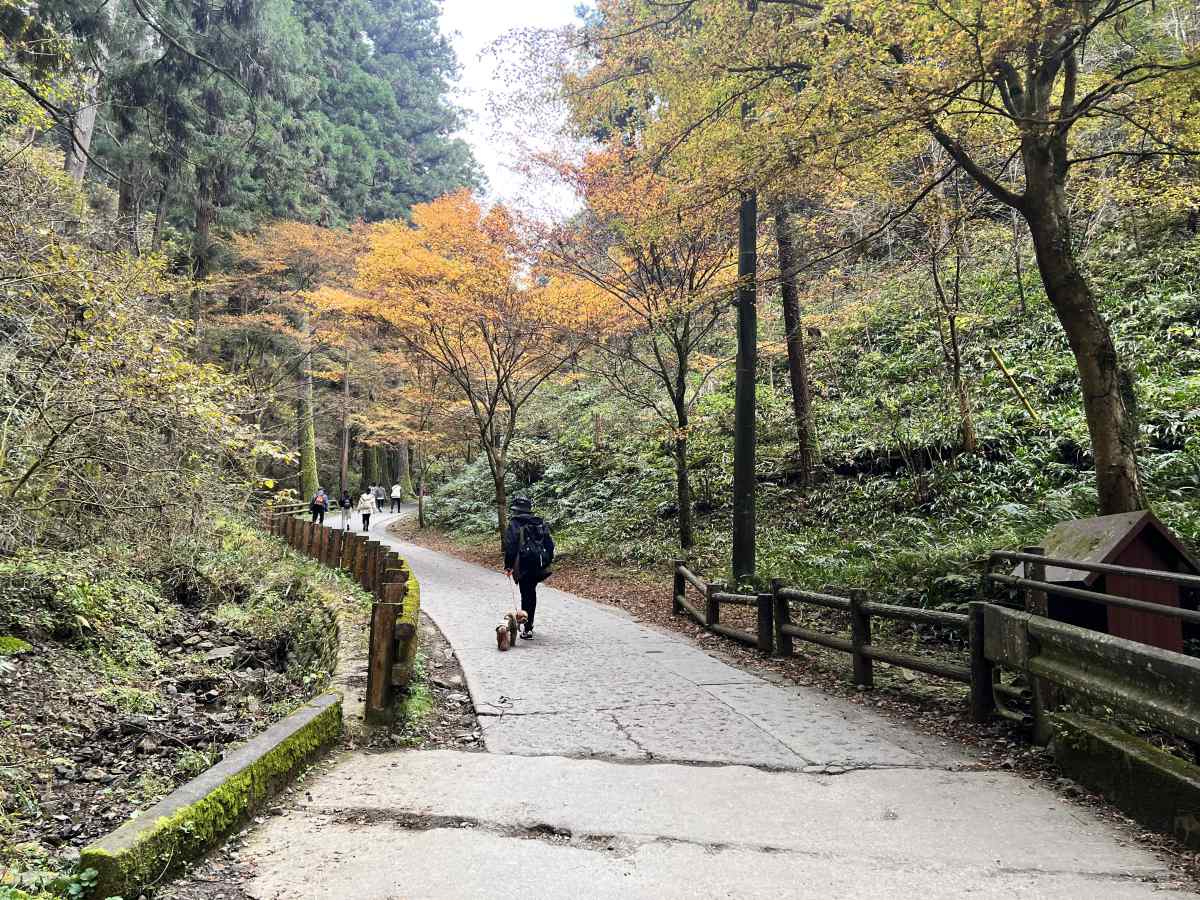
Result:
x=528 y=554
x=373 y=499
x=528 y=544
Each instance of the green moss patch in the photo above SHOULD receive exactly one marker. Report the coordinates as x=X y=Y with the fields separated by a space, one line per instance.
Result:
x=11 y=646
x=194 y=818
x=411 y=614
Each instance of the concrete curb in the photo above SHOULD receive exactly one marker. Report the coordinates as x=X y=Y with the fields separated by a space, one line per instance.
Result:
x=1158 y=790
x=194 y=818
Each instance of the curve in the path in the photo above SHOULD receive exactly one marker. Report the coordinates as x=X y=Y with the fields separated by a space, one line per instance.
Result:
x=596 y=683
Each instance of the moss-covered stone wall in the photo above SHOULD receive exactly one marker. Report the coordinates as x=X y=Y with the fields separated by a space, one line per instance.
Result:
x=193 y=819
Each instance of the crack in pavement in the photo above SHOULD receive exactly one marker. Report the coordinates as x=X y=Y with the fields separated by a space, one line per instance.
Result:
x=627 y=844
x=623 y=730
x=503 y=713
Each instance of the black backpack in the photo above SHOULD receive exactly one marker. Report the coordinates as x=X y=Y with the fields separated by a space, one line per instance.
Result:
x=533 y=551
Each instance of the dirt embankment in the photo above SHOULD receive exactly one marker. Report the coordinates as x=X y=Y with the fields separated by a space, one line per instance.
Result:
x=105 y=713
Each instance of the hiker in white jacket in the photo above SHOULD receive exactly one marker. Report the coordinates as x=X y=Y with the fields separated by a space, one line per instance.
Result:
x=366 y=506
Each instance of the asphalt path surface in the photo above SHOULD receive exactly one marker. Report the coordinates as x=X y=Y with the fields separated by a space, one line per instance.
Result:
x=624 y=761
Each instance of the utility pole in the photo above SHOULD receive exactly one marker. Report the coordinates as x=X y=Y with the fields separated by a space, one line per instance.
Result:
x=744 y=438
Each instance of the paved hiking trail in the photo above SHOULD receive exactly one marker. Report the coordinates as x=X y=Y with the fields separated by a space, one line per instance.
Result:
x=623 y=761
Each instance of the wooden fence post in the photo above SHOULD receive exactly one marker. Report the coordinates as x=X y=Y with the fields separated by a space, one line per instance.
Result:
x=678 y=586
x=783 y=616
x=860 y=638
x=983 y=673
x=332 y=538
x=381 y=658
x=712 y=608
x=1036 y=602
x=766 y=620
x=360 y=558
x=370 y=560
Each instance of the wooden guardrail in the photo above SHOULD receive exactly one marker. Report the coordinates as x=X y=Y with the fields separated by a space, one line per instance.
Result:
x=776 y=631
x=714 y=597
x=862 y=612
x=382 y=573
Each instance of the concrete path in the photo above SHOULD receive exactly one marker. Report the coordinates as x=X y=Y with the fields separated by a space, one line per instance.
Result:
x=625 y=762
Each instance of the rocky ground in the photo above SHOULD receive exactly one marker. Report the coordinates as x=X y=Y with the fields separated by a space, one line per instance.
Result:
x=81 y=752
x=928 y=704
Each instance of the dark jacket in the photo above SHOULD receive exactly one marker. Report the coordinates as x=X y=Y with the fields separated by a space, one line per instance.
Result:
x=512 y=542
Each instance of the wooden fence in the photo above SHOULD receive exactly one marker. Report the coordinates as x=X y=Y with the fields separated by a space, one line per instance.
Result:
x=382 y=573
x=713 y=597
x=776 y=632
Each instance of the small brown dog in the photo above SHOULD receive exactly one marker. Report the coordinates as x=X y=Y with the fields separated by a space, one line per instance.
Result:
x=512 y=624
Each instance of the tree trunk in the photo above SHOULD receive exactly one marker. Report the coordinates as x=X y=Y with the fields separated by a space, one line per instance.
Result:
x=380 y=462
x=344 y=462
x=970 y=442
x=498 y=467
x=419 y=453
x=160 y=215
x=306 y=437
x=405 y=466
x=370 y=476
x=83 y=126
x=683 y=482
x=1109 y=401
x=129 y=203
x=206 y=213
x=796 y=351
x=1018 y=264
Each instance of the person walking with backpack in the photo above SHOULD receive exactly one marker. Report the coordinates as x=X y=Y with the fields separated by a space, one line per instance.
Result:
x=366 y=506
x=347 y=504
x=528 y=553
x=318 y=506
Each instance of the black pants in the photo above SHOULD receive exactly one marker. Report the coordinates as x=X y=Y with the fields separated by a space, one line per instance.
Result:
x=395 y=504
x=318 y=513
x=529 y=598
x=366 y=521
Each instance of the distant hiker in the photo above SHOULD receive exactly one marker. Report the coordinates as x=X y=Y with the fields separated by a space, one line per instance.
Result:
x=397 y=496
x=320 y=503
x=380 y=496
x=347 y=504
x=528 y=553
x=366 y=506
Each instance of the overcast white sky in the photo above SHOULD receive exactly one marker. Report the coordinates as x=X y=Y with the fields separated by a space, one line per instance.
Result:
x=472 y=26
